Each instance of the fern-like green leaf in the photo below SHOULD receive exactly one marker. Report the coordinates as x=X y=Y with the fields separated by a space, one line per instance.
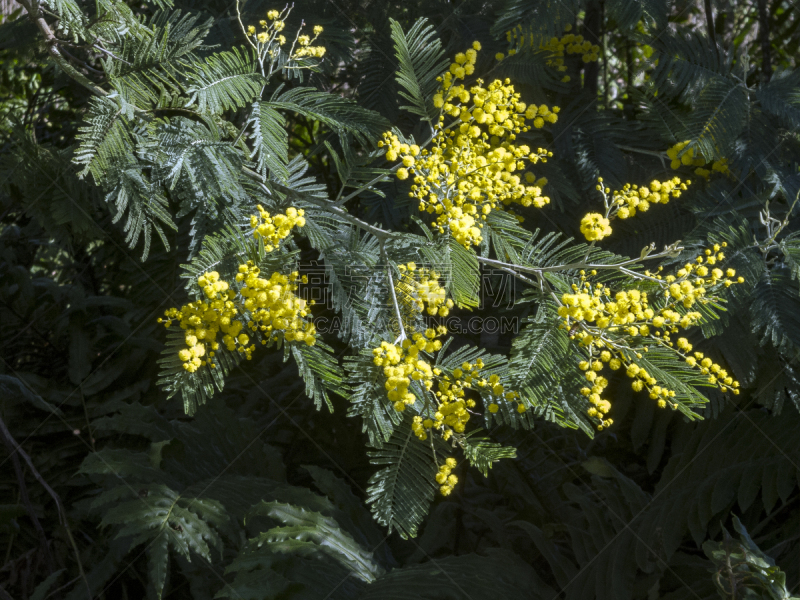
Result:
x=401 y=492
x=224 y=81
x=340 y=114
x=321 y=372
x=104 y=140
x=482 y=453
x=270 y=140
x=775 y=310
x=368 y=398
x=310 y=533
x=421 y=60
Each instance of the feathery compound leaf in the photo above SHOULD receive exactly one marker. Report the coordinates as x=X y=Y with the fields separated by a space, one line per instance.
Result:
x=459 y=268
x=270 y=140
x=224 y=81
x=105 y=139
x=686 y=64
x=309 y=533
x=320 y=371
x=368 y=398
x=541 y=368
x=539 y=20
x=791 y=253
x=421 y=60
x=149 y=65
x=780 y=97
x=775 y=310
x=720 y=110
x=158 y=516
x=402 y=491
x=482 y=453
x=146 y=206
x=340 y=114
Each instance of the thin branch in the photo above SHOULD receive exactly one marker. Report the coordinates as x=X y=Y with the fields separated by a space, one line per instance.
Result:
x=379 y=233
x=23 y=490
x=766 y=48
x=99 y=47
x=34 y=13
x=14 y=449
x=659 y=155
x=80 y=62
x=579 y=265
x=394 y=295
x=710 y=23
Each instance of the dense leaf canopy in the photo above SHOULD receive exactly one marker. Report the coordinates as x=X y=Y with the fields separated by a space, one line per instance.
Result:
x=536 y=336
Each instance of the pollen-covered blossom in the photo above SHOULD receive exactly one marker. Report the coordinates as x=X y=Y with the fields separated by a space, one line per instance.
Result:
x=626 y=202
x=268 y=41
x=445 y=479
x=273 y=306
x=615 y=328
x=267 y=307
x=632 y=198
x=270 y=30
x=274 y=229
x=420 y=289
x=405 y=361
x=688 y=158
x=595 y=226
x=305 y=45
x=559 y=47
x=473 y=163
x=269 y=304
x=402 y=363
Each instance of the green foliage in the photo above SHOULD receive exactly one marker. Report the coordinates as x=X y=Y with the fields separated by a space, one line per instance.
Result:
x=402 y=490
x=247 y=488
x=420 y=61
x=744 y=571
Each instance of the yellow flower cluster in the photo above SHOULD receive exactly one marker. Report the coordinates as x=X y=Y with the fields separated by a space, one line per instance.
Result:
x=600 y=407
x=607 y=327
x=626 y=202
x=203 y=320
x=270 y=38
x=305 y=47
x=271 y=30
x=471 y=166
x=271 y=303
x=445 y=479
x=402 y=363
x=419 y=288
x=274 y=229
x=274 y=307
x=453 y=408
x=559 y=47
x=595 y=226
x=632 y=198
x=688 y=158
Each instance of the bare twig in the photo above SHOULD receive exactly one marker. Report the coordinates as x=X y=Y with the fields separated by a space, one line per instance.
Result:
x=23 y=492
x=52 y=44
x=379 y=233
x=710 y=23
x=394 y=295
x=15 y=449
x=766 y=48
x=579 y=265
x=104 y=51
x=81 y=62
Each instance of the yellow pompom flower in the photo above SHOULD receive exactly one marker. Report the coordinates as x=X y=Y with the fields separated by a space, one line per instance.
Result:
x=595 y=227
